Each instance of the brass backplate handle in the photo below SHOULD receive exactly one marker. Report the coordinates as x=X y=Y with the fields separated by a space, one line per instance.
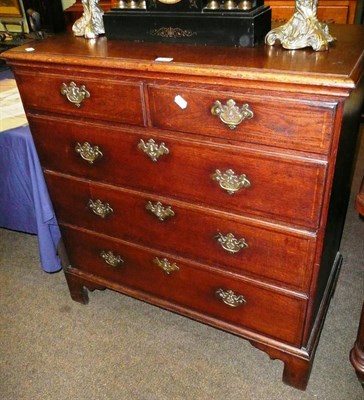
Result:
x=230 y=243
x=152 y=149
x=165 y=265
x=114 y=260
x=230 y=114
x=99 y=208
x=75 y=95
x=159 y=210
x=231 y=182
x=88 y=152
x=230 y=298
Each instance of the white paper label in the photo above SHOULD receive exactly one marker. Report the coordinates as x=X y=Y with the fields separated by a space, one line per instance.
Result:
x=164 y=59
x=180 y=101
x=29 y=49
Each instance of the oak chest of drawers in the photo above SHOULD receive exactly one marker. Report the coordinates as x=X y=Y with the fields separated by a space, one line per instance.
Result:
x=214 y=185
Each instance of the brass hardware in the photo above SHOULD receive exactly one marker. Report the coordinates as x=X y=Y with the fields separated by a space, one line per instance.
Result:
x=75 y=95
x=230 y=243
x=122 y=4
x=99 y=208
x=87 y=152
x=230 y=298
x=152 y=149
x=133 y=4
x=230 y=114
x=111 y=259
x=166 y=266
x=213 y=5
x=302 y=30
x=229 y=5
x=231 y=182
x=161 y=212
x=245 y=5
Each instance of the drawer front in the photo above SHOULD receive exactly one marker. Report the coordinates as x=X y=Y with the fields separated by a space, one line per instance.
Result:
x=266 y=310
x=280 y=123
x=102 y=99
x=338 y=13
x=232 y=244
x=269 y=185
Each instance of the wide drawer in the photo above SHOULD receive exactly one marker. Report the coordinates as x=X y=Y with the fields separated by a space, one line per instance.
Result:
x=277 y=122
x=105 y=99
x=288 y=189
x=230 y=243
x=256 y=307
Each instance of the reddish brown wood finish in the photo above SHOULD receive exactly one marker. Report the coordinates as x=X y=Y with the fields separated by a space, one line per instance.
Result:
x=274 y=122
x=282 y=255
x=329 y=11
x=100 y=105
x=272 y=312
x=296 y=151
x=186 y=172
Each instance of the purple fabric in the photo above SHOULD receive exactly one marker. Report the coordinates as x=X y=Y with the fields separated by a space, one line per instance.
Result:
x=24 y=201
x=6 y=74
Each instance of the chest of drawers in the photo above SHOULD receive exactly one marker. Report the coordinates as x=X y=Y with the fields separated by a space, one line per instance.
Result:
x=214 y=186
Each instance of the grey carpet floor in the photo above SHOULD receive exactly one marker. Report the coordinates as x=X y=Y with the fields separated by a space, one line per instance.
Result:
x=118 y=348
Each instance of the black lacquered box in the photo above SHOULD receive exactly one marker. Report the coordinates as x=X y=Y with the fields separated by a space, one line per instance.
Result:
x=155 y=21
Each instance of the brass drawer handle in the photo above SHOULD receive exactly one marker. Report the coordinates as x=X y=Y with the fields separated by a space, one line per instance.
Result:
x=230 y=298
x=75 y=95
x=111 y=259
x=231 y=182
x=230 y=243
x=99 y=208
x=160 y=211
x=88 y=153
x=165 y=265
x=230 y=114
x=152 y=149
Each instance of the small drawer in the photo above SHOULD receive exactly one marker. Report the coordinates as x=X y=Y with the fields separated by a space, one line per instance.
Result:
x=103 y=99
x=279 y=123
x=177 y=284
x=225 y=178
x=216 y=239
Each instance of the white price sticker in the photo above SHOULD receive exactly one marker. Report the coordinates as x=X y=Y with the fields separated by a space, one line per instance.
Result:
x=164 y=59
x=180 y=101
